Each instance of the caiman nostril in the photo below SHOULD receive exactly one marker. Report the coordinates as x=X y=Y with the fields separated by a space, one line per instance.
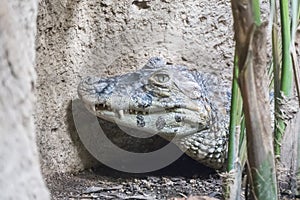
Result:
x=105 y=88
x=100 y=87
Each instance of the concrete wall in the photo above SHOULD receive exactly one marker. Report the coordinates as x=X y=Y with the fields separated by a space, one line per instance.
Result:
x=20 y=174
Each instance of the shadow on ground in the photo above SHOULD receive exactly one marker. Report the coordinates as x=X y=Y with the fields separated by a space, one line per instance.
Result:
x=183 y=178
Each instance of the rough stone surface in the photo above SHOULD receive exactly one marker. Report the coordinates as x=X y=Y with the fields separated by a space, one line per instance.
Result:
x=110 y=37
x=20 y=175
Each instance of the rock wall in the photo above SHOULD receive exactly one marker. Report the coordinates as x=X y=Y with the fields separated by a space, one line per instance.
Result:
x=20 y=174
x=110 y=37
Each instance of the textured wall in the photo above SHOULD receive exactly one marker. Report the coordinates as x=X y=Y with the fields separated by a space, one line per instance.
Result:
x=109 y=37
x=20 y=174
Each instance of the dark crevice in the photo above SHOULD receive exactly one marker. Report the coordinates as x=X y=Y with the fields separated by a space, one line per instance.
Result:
x=141 y=4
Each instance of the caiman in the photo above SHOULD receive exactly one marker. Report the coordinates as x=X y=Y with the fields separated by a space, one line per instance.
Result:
x=184 y=106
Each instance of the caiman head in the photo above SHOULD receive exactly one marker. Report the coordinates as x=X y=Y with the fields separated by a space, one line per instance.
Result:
x=160 y=98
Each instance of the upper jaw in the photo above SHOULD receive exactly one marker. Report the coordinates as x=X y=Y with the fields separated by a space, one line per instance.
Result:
x=101 y=97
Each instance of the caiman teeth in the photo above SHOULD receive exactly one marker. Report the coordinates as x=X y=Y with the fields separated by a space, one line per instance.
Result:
x=93 y=108
x=101 y=106
x=121 y=114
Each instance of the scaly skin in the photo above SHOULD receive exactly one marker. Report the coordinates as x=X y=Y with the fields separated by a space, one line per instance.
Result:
x=185 y=106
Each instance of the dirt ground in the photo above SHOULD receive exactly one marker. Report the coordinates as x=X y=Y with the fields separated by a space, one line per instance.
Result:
x=182 y=179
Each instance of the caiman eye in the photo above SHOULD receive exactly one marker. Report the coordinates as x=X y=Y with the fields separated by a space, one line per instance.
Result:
x=162 y=78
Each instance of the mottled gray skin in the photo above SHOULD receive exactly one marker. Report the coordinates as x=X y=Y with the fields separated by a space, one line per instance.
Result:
x=183 y=106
